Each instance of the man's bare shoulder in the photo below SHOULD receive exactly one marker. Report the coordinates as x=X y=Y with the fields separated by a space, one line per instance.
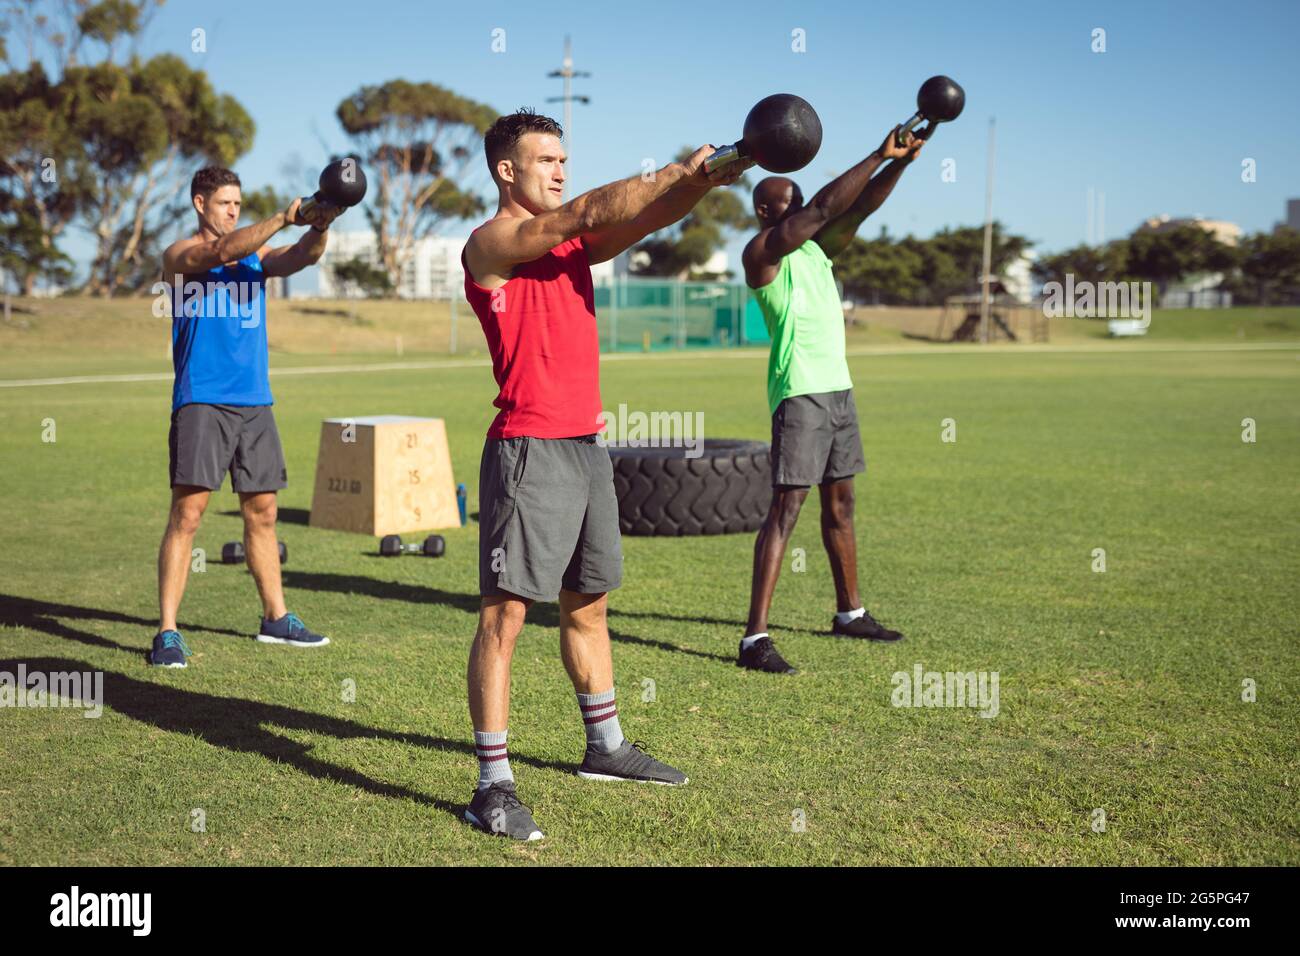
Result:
x=754 y=251
x=179 y=246
x=760 y=267
x=755 y=244
x=495 y=229
x=489 y=251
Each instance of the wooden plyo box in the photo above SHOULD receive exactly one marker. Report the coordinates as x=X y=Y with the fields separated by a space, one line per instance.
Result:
x=384 y=474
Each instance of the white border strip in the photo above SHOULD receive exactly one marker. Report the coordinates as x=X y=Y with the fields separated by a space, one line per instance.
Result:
x=739 y=353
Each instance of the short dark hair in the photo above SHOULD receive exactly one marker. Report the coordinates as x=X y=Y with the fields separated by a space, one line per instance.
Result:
x=503 y=136
x=211 y=178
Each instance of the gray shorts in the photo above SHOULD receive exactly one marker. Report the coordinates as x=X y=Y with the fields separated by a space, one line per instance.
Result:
x=206 y=441
x=815 y=439
x=548 y=518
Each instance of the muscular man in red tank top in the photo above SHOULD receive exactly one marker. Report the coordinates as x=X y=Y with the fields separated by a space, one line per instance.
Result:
x=548 y=517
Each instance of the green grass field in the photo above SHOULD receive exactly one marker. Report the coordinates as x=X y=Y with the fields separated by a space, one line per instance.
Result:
x=1119 y=691
x=75 y=335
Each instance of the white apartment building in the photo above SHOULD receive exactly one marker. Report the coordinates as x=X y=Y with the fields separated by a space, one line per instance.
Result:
x=1201 y=290
x=1018 y=277
x=432 y=272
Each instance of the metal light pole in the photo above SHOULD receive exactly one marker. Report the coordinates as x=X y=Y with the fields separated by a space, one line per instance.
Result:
x=1096 y=217
x=567 y=73
x=988 y=235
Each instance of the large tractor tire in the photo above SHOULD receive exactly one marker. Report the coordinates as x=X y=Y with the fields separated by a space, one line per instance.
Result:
x=726 y=490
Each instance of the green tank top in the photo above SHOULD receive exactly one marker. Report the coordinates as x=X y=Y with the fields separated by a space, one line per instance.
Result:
x=802 y=311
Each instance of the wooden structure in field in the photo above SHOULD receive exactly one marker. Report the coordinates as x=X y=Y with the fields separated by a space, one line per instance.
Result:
x=1009 y=319
x=384 y=474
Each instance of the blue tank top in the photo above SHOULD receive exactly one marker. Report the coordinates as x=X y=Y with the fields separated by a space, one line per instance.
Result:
x=219 y=337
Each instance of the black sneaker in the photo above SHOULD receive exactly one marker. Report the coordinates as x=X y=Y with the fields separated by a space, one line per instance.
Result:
x=496 y=810
x=289 y=630
x=629 y=762
x=762 y=656
x=865 y=626
x=169 y=650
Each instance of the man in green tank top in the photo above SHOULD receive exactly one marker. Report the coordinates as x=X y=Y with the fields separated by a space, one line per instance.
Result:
x=815 y=438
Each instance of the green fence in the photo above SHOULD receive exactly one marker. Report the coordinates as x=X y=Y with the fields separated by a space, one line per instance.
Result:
x=651 y=314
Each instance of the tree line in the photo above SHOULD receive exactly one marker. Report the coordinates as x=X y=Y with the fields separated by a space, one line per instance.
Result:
x=95 y=137
x=1261 y=269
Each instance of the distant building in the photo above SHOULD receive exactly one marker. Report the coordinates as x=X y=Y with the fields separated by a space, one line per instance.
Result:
x=1226 y=232
x=1201 y=290
x=433 y=271
x=1018 y=276
x=1293 y=214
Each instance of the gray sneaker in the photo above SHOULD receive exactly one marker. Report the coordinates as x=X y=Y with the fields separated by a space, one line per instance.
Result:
x=629 y=762
x=496 y=810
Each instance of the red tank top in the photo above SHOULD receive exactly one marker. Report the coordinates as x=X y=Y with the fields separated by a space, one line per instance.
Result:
x=541 y=334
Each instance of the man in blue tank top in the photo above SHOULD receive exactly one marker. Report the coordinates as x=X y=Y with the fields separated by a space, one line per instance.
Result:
x=221 y=400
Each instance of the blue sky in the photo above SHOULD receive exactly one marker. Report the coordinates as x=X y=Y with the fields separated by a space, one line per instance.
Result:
x=1160 y=122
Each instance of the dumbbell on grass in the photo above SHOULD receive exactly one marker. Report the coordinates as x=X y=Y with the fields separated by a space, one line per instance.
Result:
x=232 y=552
x=390 y=546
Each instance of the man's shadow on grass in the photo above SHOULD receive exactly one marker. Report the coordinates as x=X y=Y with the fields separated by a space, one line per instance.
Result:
x=49 y=617
x=242 y=726
x=543 y=614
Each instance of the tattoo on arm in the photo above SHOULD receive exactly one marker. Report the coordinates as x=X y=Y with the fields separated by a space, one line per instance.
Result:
x=499 y=246
x=669 y=208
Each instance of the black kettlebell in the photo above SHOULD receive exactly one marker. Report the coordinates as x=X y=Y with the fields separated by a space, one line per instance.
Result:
x=342 y=183
x=782 y=133
x=939 y=100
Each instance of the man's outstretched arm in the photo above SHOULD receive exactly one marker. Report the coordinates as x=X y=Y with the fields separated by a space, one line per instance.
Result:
x=286 y=260
x=830 y=202
x=835 y=236
x=194 y=255
x=499 y=246
x=669 y=208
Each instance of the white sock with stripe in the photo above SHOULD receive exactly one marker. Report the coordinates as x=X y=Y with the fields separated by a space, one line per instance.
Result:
x=493 y=762
x=600 y=720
